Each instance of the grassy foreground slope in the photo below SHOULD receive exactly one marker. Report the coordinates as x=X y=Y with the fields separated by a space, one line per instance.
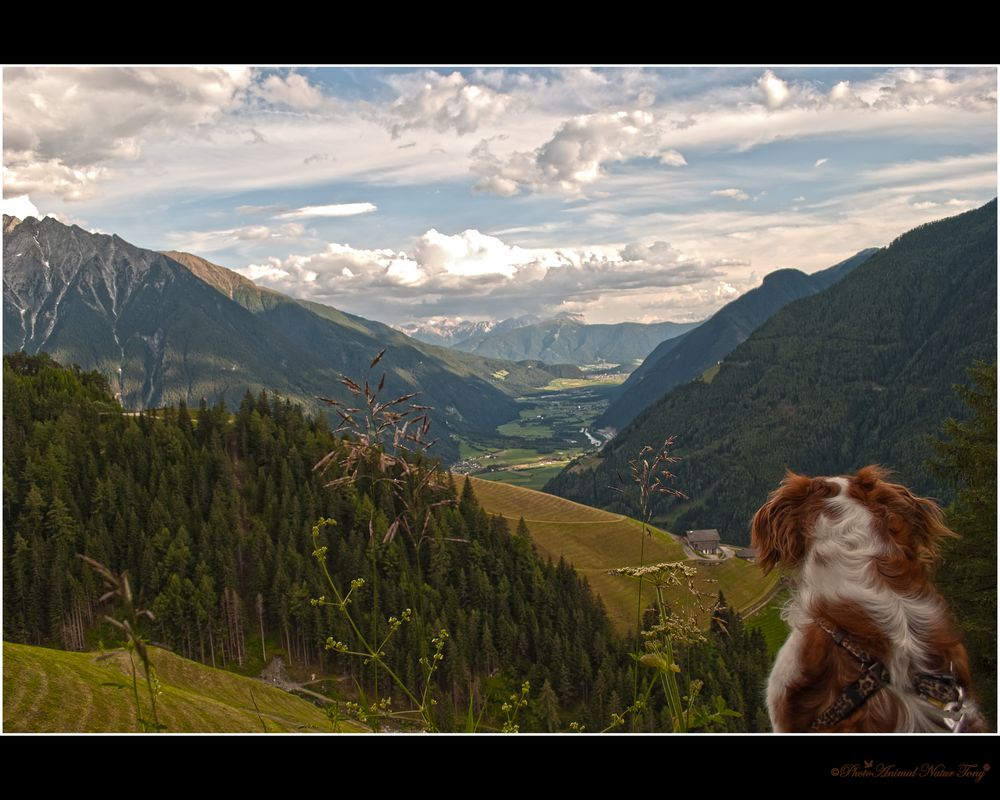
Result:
x=50 y=691
x=594 y=541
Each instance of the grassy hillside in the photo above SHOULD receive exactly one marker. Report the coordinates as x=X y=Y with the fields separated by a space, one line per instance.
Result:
x=594 y=541
x=768 y=620
x=52 y=691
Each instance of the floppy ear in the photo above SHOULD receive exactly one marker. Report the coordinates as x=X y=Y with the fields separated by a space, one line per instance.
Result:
x=868 y=477
x=923 y=525
x=780 y=527
x=915 y=524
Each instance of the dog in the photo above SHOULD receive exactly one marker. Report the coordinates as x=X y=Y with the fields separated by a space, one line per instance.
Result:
x=872 y=647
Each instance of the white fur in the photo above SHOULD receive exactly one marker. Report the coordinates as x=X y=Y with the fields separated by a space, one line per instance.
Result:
x=784 y=671
x=840 y=566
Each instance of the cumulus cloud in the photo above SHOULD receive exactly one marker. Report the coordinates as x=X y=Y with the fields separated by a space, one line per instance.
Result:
x=336 y=210
x=54 y=178
x=468 y=253
x=735 y=194
x=575 y=155
x=292 y=91
x=968 y=89
x=971 y=90
x=774 y=91
x=820 y=162
x=19 y=207
x=64 y=126
x=482 y=273
x=444 y=103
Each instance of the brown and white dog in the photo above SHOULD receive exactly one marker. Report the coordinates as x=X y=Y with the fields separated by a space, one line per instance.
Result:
x=872 y=647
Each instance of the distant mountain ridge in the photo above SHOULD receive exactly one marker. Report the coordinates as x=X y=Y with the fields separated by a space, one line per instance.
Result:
x=568 y=340
x=448 y=332
x=166 y=328
x=678 y=361
x=862 y=372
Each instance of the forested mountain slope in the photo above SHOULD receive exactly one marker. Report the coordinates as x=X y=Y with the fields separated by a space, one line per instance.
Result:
x=859 y=373
x=680 y=360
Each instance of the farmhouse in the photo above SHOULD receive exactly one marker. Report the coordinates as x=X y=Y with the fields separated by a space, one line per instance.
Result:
x=748 y=553
x=705 y=542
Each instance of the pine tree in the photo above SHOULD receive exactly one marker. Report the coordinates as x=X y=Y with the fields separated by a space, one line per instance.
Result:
x=967 y=459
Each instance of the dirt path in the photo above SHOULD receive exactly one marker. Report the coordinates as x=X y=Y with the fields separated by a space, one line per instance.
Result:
x=275 y=674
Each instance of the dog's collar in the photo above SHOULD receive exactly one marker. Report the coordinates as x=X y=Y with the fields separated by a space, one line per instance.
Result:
x=947 y=694
x=941 y=690
x=874 y=676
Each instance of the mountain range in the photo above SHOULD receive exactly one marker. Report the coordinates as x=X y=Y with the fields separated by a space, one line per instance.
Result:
x=862 y=372
x=676 y=361
x=568 y=340
x=450 y=332
x=172 y=327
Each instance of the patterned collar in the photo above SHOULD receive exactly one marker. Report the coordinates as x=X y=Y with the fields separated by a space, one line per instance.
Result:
x=874 y=676
x=943 y=691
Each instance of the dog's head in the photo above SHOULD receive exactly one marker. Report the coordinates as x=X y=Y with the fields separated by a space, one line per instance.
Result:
x=907 y=527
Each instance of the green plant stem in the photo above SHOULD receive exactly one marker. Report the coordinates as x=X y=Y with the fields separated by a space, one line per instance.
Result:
x=357 y=632
x=135 y=692
x=374 y=603
x=669 y=679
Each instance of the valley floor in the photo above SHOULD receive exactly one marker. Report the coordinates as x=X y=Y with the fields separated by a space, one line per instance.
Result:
x=554 y=428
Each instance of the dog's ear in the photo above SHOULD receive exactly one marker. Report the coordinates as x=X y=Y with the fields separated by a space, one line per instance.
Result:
x=780 y=528
x=868 y=477
x=917 y=525
x=914 y=524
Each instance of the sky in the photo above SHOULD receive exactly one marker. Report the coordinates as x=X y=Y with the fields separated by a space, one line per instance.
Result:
x=415 y=194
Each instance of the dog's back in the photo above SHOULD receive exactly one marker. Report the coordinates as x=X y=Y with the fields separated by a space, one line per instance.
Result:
x=872 y=646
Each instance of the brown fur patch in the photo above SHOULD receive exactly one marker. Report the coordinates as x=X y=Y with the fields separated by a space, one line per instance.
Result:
x=781 y=527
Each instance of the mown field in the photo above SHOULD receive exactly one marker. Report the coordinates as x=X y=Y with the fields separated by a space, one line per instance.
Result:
x=769 y=620
x=595 y=541
x=51 y=691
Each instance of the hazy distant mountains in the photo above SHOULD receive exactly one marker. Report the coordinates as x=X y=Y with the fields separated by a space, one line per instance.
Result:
x=449 y=332
x=568 y=340
x=861 y=372
x=169 y=327
x=563 y=339
x=679 y=360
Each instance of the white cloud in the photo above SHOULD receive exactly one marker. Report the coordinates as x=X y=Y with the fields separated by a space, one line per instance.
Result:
x=575 y=155
x=468 y=253
x=969 y=89
x=444 y=103
x=52 y=177
x=820 y=162
x=483 y=273
x=337 y=210
x=922 y=103
x=293 y=91
x=908 y=171
x=64 y=126
x=735 y=194
x=20 y=207
x=210 y=241
x=773 y=89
